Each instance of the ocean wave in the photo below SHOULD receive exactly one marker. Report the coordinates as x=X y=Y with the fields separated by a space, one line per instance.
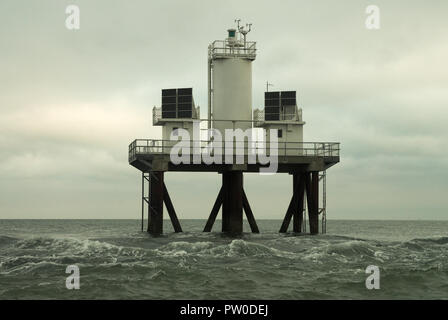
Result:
x=241 y=248
x=434 y=240
x=5 y=240
x=77 y=247
x=29 y=255
x=180 y=248
x=26 y=254
x=351 y=248
x=331 y=252
x=157 y=274
x=22 y=265
x=236 y=248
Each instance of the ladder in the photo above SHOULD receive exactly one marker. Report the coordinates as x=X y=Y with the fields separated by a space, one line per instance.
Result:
x=146 y=177
x=145 y=199
x=323 y=210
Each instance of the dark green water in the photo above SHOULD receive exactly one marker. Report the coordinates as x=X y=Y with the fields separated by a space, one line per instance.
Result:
x=117 y=261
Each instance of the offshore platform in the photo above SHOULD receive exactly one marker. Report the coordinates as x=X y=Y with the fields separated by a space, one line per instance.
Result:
x=201 y=147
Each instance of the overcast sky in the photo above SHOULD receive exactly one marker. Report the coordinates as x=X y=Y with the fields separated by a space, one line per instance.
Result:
x=72 y=101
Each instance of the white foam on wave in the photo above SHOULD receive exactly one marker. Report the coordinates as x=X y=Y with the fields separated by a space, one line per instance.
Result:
x=29 y=267
x=236 y=248
x=240 y=247
x=77 y=247
x=157 y=274
x=182 y=248
x=28 y=253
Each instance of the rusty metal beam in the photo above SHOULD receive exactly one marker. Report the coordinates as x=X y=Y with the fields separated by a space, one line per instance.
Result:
x=232 y=213
x=170 y=209
x=312 y=194
x=292 y=204
x=249 y=214
x=155 y=218
x=298 y=208
x=211 y=219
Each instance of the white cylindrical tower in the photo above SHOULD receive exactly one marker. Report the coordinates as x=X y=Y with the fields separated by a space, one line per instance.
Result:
x=232 y=93
x=231 y=85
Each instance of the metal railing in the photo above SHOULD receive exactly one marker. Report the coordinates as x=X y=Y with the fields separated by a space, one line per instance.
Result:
x=225 y=48
x=304 y=149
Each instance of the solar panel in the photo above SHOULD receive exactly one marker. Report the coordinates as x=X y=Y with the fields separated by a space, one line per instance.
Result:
x=271 y=113
x=288 y=102
x=184 y=114
x=184 y=106
x=288 y=98
x=288 y=94
x=185 y=99
x=169 y=107
x=272 y=95
x=177 y=103
x=168 y=92
x=168 y=99
x=168 y=115
x=185 y=91
x=271 y=116
x=272 y=99
x=272 y=103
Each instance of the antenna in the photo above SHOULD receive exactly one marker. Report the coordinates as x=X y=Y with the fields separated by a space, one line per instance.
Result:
x=268 y=85
x=238 y=23
x=244 y=32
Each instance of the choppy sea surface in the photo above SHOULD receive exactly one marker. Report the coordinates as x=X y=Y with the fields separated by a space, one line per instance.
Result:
x=117 y=261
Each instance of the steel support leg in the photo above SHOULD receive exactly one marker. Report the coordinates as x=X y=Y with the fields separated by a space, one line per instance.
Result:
x=155 y=223
x=232 y=213
x=312 y=192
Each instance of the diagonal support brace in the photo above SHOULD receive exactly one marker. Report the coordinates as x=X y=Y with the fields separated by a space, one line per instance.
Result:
x=170 y=208
x=211 y=219
x=249 y=214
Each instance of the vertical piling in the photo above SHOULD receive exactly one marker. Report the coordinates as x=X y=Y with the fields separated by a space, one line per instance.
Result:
x=225 y=202
x=155 y=218
x=312 y=191
x=298 y=210
x=232 y=207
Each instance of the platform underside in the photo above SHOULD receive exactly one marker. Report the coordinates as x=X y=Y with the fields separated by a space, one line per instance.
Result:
x=286 y=164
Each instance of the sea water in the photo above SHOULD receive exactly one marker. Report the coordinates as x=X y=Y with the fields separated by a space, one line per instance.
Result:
x=118 y=261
